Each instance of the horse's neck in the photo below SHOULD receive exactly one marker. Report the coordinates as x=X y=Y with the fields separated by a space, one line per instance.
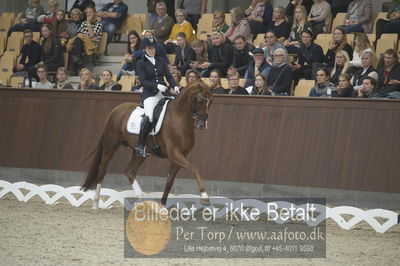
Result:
x=182 y=105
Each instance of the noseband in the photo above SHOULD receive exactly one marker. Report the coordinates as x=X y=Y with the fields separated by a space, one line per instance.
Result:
x=195 y=115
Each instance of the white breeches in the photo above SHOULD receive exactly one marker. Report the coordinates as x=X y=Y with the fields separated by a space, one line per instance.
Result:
x=150 y=103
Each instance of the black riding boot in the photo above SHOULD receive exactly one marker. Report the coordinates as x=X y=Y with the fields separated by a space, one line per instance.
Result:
x=144 y=132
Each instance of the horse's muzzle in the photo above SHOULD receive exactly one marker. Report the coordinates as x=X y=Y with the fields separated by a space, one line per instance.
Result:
x=201 y=124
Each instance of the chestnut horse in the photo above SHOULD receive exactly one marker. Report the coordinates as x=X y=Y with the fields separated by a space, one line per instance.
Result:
x=176 y=139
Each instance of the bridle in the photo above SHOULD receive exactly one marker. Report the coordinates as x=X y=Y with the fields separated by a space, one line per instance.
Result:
x=199 y=116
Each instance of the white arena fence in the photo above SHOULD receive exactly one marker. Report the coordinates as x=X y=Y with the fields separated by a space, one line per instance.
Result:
x=371 y=216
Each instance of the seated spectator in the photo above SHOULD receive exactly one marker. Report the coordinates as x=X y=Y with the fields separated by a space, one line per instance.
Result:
x=192 y=76
x=367 y=70
x=219 y=56
x=240 y=26
x=367 y=89
x=195 y=10
x=388 y=85
x=241 y=56
x=279 y=25
x=50 y=16
x=219 y=23
x=200 y=55
x=176 y=74
x=259 y=15
x=86 y=41
x=361 y=45
x=339 y=6
x=359 y=17
x=311 y=56
x=320 y=17
x=184 y=54
x=28 y=19
x=342 y=64
x=112 y=16
x=271 y=45
x=109 y=84
x=259 y=86
x=51 y=52
x=74 y=23
x=257 y=65
x=163 y=24
x=62 y=80
x=392 y=22
x=281 y=76
x=339 y=42
x=233 y=84
x=181 y=25
x=344 y=87
x=60 y=26
x=215 y=81
x=86 y=82
x=289 y=11
x=43 y=83
x=129 y=66
x=81 y=5
x=323 y=88
x=31 y=51
x=300 y=24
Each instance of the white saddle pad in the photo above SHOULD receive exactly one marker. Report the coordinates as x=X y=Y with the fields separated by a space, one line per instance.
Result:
x=136 y=117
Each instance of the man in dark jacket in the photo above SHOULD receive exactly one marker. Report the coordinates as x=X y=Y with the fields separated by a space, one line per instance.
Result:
x=82 y=5
x=30 y=50
x=339 y=6
x=388 y=76
x=241 y=56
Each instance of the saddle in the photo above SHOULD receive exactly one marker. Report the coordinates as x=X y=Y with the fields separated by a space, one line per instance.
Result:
x=135 y=119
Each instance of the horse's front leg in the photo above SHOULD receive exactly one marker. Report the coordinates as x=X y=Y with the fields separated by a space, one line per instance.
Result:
x=181 y=160
x=173 y=170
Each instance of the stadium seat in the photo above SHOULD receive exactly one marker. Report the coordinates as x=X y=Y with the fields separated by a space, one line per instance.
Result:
x=16 y=82
x=381 y=15
x=123 y=29
x=127 y=82
x=4 y=78
x=3 y=41
x=224 y=83
x=372 y=39
x=143 y=19
x=5 y=23
x=350 y=39
x=303 y=88
x=228 y=19
x=260 y=38
x=14 y=42
x=135 y=23
x=204 y=25
x=8 y=61
x=390 y=37
x=36 y=37
x=324 y=43
x=202 y=36
x=171 y=58
x=183 y=81
x=338 y=20
x=382 y=45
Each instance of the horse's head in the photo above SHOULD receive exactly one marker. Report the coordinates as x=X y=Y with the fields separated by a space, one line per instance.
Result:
x=201 y=101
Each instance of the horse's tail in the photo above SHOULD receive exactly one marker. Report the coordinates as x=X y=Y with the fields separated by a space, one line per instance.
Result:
x=91 y=178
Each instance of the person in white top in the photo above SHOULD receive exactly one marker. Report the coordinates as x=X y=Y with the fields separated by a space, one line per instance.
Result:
x=367 y=70
x=361 y=45
x=44 y=83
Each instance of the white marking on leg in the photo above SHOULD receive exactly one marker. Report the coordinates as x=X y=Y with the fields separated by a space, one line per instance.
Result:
x=204 y=195
x=136 y=188
x=96 y=198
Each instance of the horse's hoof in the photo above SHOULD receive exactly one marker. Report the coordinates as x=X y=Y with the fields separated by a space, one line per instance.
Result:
x=205 y=201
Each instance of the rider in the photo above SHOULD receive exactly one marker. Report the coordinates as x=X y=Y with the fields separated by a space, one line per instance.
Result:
x=151 y=71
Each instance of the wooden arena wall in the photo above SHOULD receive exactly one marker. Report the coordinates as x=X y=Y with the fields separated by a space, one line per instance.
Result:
x=330 y=143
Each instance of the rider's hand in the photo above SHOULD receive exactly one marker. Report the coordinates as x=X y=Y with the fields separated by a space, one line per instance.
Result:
x=161 y=87
x=176 y=90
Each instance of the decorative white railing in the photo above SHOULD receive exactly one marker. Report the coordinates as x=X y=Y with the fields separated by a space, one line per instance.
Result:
x=77 y=197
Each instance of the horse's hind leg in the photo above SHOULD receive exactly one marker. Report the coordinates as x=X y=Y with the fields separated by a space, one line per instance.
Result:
x=110 y=146
x=181 y=160
x=173 y=170
x=131 y=170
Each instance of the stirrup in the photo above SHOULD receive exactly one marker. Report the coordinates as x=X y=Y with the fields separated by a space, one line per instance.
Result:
x=141 y=151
